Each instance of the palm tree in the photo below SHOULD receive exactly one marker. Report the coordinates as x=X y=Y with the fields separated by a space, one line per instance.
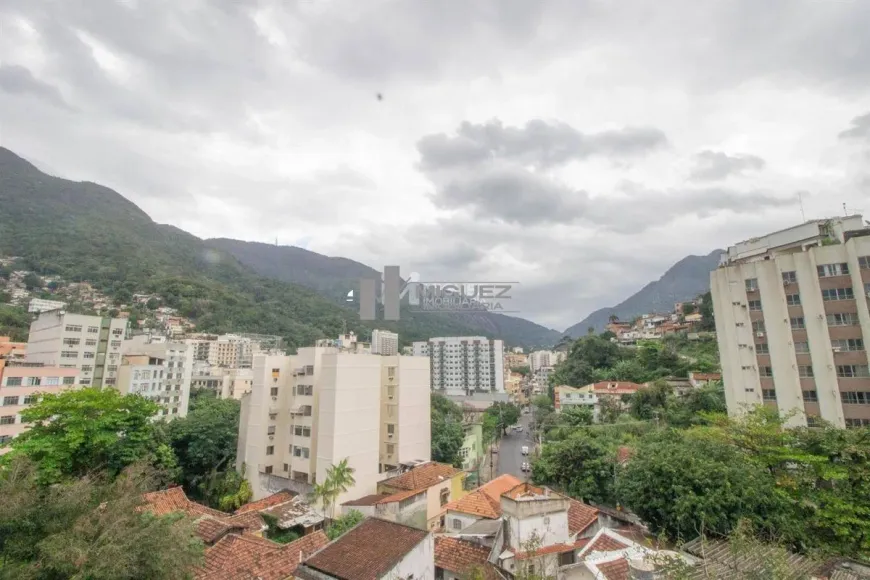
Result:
x=322 y=494
x=613 y=318
x=339 y=479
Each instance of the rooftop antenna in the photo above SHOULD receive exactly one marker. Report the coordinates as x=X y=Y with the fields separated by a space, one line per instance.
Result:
x=801 y=202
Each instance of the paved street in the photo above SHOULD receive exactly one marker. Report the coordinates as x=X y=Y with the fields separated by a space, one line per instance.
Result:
x=510 y=453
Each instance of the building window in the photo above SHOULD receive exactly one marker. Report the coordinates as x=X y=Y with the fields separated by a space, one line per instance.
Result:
x=848 y=344
x=797 y=323
x=309 y=369
x=811 y=396
x=71 y=341
x=5 y=438
x=391 y=448
x=110 y=381
x=91 y=342
x=69 y=354
x=852 y=371
x=812 y=421
x=88 y=355
x=843 y=319
x=391 y=429
x=765 y=371
x=13 y=381
x=29 y=399
x=51 y=381
x=32 y=382
x=789 y=277
x=457 y=524
x=793 y=299
x=802 y=347
x=758 y=326
x=856 y=398
x=864 y=262
x=270 y=430
x=445 y=496
x=8 y=401
x=805 y=371
x=7 y=420
x=274 y=391
x=768 y=394
x=391 y=372
x=115 y=344
x=762 y=348
x=268 y=469
x=85 y=382
x=73 y=328
x=857 y=423
x=755 y=305
x=830 y=294
x=93 y=329
x=828 y=270
x=751 y=284
x=391 y=392
x=270 y=450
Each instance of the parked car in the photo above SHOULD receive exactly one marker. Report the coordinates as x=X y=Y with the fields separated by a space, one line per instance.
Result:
x=526 y=467
x=525 y=449
x=518 y=428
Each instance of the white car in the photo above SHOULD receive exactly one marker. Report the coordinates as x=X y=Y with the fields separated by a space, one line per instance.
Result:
x=525 y=450
x=526 y=467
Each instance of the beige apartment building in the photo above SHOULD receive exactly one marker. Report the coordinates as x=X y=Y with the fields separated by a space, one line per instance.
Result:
x=793 y=323
x=306 y=412
x=90 y=344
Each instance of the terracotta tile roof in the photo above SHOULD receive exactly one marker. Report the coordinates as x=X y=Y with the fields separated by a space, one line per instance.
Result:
x=554 y=549
x=604 y=543
x=399 y=496
x=238 y=557
x=614 y=570
x=460 y=556
x=707 y=376
x=366 y=500
x=250 y=522
x=174 y=500
x=422 y=477
x=476 y=503
x=366 y=552
x=267 y=502
x=212 y=529
x=580 y=516
x=615 y=388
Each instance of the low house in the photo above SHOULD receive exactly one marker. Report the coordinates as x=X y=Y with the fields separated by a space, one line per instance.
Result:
x=373 y=550
x=287 y=510
x=566 y=397
x=699 y=380
x=441 y=484
x=471 y=451
x=239 y=556
x=405 y=507
x=482 y=503
x=457 y=559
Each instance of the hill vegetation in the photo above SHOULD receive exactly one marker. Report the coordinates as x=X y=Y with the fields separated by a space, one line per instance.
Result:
x=86 y=232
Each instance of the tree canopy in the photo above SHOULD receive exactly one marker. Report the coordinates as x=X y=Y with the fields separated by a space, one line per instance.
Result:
x=447 y=432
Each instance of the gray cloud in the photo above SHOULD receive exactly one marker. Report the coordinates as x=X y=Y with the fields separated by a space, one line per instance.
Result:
x=539 y=143
x=716 y=165
x=17 y=80
x=860 y=128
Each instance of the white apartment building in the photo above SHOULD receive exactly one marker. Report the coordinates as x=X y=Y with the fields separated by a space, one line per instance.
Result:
x=90 y=344
x=232 y=351
x=175 y=360
x=42 y=305
x=385 y=343
x=306 y=412
x=462 y=365
x=793 y=323
x=545 y=358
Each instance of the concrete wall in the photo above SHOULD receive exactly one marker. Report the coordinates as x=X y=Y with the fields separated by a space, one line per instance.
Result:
x=419 y=563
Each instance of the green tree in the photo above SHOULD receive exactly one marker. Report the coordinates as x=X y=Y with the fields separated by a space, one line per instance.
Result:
x=504 y=414
x=682 y=485
x=708 y=322
x=447 y=432
x=523 y=370
x=32 y=281
x=340 y=479
x=78 y=431
x=576 y=416
x=205 y=444
x=14 y=322
x=344 y=523
x=582 y=465
x=90 y=528
x=647 y=403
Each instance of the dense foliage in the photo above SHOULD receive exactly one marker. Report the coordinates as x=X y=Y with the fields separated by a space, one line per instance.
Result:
x=497 y=418
x=447 y=432
x=808 y=487
x=344 y=523
x=14 y=322
x=75 y=432
x=90 y=527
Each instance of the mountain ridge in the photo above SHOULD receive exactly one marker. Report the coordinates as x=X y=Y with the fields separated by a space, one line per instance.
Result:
x=685 y=280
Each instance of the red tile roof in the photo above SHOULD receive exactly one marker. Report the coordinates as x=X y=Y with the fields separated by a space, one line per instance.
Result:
x=212 y=529
x=174 y=500
x=605 y=543
x=267 y=502
x=366 y=500
x=238 y=557
x=615 y=388
x=615 y=570
x=422 y=477
x=399 y=496
x=485 y=500
x=580 y=516
x=366 y=552
x=707 y=376
x=554 y=549
x=460 y=557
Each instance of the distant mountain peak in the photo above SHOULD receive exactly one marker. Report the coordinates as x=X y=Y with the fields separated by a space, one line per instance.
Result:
x=685 y=280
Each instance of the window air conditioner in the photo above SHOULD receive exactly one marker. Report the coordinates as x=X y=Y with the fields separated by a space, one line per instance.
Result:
x=837 y=349
x=759 y=334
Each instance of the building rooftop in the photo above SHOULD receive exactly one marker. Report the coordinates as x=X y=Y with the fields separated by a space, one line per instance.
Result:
x=366 y=552
x=461 y=556
x=366 y=500
x=267 y=502
x=580 y=516
x=248 y=557
x=485 y=500
x=615 y=388
x=422 y=477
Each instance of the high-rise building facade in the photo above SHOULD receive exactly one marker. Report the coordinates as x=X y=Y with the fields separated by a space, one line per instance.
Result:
x=385 y=343
x=463 y=365
x=170 y=387
x=307 y=412
x=793 y=323
x=90 y=344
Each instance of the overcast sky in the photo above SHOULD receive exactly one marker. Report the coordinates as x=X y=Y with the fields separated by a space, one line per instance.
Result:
x=579 y=147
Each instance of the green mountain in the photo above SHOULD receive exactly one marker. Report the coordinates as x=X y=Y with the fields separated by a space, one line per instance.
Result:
x=685 y=280
x=86 y=232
